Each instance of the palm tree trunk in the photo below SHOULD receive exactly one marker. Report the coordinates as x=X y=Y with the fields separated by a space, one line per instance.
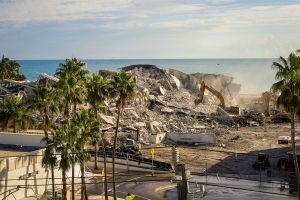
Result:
x=113 y=155
x=83 y=188
x=73 y=178
x=66 y=112
x=75 y=107
x=295 y=158
x=105 y=172
x=14 y=126
x=96 y=157
x=85 y=192
x=45 y=122
x=64 y=182
x=53 y=183
x=96 y=147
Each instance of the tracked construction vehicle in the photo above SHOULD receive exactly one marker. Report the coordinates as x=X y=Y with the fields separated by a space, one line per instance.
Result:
x=231 y=109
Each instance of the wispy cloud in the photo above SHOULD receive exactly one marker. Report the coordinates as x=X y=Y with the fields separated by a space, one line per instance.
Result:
x=31 y=11
x=240 y=17
x=129 y=14
x=149 y=28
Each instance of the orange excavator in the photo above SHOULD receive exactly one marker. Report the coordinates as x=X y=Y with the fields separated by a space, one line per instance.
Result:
x=203 y=87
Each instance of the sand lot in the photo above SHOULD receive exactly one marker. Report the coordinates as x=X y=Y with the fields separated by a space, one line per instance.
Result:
x=247 y=142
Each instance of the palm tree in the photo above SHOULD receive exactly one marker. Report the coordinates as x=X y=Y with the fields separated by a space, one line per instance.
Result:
x=123 y=86
x=87 y=127
x=14 y=113
x=72 y=78
x=62 y=139
x=97 y=94
x=50 y=160
x=67 y=87
x=44 y=98
x=72 y=66
x=288 y=87
x=9 y=69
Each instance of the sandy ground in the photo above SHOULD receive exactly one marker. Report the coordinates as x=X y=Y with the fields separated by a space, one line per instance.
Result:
x=221 y=157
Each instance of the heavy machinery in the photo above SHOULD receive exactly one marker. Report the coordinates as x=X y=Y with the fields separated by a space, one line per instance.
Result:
x=262 y=161
x=203 y=87
x=131 y=146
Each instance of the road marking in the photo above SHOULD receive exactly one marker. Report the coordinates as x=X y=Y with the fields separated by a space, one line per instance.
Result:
x=159 y=189
x=124 y=183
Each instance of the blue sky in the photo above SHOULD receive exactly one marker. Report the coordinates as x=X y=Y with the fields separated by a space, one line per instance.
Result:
x=52 y=29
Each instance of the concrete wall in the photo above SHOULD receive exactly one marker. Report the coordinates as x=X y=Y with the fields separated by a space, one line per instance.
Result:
x=157 y=138
x=29 y=174
x=23 y=139
x=192 y=138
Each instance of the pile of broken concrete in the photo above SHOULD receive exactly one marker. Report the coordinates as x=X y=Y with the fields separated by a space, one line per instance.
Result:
x=164 y=104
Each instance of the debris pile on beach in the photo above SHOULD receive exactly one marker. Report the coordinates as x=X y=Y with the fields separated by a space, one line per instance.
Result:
x=165 y=104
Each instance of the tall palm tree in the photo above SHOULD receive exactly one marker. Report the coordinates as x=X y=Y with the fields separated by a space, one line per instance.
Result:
x=288 y=87
x=62 y=139
x=50 y=160
x=73 y=140
x=15 y=114
x=44 y=98
x=87 y=127
x=9 y=69
x=123 y=86
x=72 y=78
x=97 y=94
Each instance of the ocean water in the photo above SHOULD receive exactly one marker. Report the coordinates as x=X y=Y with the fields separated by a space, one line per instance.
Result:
x=255 y=75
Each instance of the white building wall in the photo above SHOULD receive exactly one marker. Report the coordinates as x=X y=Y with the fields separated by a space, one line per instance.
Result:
x=23 y=139
x=201 y=138
x=28 y=173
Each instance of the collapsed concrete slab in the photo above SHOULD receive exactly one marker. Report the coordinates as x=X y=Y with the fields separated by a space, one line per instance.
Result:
x=192 y=139
x=221 y=83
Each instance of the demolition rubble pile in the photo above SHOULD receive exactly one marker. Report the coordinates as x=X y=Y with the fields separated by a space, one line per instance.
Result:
x=165 y=104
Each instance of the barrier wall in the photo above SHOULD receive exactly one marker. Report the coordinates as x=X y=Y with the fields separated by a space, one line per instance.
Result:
x=192 y=138
x=29 y=175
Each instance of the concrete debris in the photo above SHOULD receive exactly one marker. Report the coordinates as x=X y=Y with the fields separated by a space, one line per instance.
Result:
x=166 y=106
x=167 y=110
x=162 y=90
x=249 y=118
x=108 y=119
x=140 y=124
x=223 y=84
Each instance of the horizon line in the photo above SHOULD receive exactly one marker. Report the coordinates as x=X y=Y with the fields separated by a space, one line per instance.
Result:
x=49 y=59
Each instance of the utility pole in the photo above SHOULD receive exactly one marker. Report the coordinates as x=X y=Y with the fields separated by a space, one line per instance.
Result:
x=182 y=187
x=175 y=161
x=137 y=134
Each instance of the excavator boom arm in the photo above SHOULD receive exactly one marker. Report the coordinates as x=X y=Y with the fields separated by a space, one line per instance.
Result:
x=213 y=91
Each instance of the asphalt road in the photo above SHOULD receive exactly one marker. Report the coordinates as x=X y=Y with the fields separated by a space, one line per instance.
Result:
x=232 y=189
x=146 y=187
